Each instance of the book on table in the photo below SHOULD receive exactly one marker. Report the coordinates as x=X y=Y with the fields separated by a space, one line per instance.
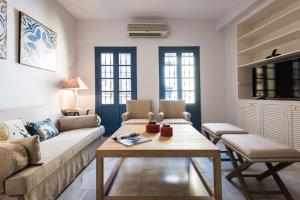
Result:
x=131 y=139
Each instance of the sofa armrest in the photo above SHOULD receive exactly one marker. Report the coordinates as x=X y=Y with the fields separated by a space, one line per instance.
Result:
x=151 y=116
x=187 y=116
x=78 y=122
x=124 y=116
x=161 y=116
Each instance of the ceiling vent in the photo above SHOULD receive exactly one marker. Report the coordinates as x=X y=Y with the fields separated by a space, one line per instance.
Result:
x=144 y=30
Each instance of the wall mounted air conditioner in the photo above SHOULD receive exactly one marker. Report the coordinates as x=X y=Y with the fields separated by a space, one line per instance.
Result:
x=147 y=30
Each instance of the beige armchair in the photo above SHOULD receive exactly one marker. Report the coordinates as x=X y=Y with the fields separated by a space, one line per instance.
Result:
x=138 y=112
x=174 y=112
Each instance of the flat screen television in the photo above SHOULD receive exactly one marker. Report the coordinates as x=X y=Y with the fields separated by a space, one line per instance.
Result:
x=280 y=80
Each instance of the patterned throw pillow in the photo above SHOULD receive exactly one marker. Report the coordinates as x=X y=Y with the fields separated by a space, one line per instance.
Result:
x=44 y=129
x=13 y=129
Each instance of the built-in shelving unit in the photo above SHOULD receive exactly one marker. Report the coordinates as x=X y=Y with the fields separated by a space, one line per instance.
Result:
x=274 y=25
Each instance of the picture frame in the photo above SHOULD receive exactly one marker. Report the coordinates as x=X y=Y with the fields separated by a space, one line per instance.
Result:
x=3 y=29
x=37 y=44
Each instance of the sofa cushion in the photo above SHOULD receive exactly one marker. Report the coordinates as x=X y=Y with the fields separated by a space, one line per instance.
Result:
x=44 y=129
x=77 y=122
x=13 y=129
x=13 y=158
x=55 y=152
x=257 y=147
x=32 y=146
x=219 y=129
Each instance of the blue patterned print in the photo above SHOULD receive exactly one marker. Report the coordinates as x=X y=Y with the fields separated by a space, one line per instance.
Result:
x=44 y=129
x=37 y=44
x=3 y=28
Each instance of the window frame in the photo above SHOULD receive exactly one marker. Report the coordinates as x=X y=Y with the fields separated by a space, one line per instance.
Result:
x=116 y=66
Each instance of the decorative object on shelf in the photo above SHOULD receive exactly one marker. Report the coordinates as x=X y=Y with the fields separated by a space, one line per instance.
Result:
x=274 y=54
x=75 y=112
x=3 y=29
x=75 y=84
x=152 y=127
x=38 y=43
x=166 y=130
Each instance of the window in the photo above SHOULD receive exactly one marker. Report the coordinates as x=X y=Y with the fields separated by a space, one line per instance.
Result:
x=178 y=74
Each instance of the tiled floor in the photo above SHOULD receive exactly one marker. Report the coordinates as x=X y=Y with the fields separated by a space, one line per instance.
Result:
x=165 y=176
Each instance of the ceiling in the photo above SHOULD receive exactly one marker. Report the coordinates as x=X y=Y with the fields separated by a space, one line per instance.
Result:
x=153 y=9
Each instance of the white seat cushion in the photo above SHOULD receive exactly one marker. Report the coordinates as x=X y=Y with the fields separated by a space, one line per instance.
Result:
x=220 y=129
x=257 y=147
x=136 y=121
x=176 y=121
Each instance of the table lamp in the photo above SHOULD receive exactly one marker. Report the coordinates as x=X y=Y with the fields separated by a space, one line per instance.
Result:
x=75 y=84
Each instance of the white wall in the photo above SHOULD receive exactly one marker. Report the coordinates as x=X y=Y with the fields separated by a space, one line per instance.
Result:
x=21 y=85
x=91 y=33
x=231 y=75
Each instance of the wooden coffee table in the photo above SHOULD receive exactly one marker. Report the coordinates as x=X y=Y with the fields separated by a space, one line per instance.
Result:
x=186 y=142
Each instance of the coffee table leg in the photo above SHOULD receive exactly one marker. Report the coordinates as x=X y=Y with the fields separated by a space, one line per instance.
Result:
x=99 y=177
x=217 y=177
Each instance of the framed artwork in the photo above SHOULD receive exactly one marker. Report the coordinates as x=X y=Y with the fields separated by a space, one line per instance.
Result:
x=37 y=46
x=3 y=29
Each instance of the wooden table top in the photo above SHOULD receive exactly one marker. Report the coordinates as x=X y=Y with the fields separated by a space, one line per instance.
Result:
x=186 y=141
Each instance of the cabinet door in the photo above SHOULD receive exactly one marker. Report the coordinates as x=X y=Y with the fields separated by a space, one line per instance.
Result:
x=274 y=122
x=294 y=126
x=250 y=117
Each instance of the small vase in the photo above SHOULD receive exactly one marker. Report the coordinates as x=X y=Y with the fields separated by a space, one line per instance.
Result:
x=166 y=130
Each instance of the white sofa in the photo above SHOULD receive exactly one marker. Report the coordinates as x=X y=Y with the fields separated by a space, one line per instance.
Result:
x=64 y=156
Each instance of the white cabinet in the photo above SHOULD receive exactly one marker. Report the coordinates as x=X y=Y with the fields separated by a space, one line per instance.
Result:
x=294 y=126
x=250 y=116
x=274 y=123
x=277 y=120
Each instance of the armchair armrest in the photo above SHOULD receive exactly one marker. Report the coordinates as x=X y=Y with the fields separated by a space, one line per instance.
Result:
x=124 y=116
x=187 y=116
x=151 y=116
x=161 y=116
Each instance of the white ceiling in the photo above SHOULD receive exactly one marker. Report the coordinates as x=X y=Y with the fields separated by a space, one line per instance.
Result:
x=153 y=9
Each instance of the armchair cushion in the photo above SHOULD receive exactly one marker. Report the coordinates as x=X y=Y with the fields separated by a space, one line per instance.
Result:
x=78 y=122
x=172 y=108
x=138 y=109
x=176 y=121
x=135 y=121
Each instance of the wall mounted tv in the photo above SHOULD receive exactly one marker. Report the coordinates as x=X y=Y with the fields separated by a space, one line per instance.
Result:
x=280 y=80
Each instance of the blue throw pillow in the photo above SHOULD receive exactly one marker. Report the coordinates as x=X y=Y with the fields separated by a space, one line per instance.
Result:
x=44 y=129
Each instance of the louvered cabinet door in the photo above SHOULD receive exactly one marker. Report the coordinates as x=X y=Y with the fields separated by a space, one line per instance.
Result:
x=274 y=122
x=294 y=126
x=250 y=117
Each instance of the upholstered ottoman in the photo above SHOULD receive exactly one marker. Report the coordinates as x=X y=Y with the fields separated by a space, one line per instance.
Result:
x=216 y=130
x=251 y=149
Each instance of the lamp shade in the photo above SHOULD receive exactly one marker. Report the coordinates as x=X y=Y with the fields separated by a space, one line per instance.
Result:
x=74 y=83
